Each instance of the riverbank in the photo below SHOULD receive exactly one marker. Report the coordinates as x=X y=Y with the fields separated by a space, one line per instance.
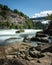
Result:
x=21 y=53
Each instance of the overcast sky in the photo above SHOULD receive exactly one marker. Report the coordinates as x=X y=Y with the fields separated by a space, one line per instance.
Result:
x=32 y=8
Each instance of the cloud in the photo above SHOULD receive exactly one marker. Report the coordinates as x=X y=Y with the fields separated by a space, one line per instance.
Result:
x=42 y=14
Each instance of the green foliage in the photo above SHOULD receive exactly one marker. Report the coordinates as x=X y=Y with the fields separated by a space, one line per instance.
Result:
x=49 y=26
x=5 y=7
x=21 y=14
x=7 y=25
x=30 y=23
x=39 y=25
x=26 y=25
x=1 y=6
x=49 y=17
x=16 y=11
x=3 y=13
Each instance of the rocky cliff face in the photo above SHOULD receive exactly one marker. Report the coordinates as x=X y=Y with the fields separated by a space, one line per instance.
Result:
x=9 y=18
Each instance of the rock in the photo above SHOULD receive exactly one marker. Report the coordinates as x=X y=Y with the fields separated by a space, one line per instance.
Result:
x=34 y=53
x=33 y=39
x=40 y=34
x=11 y=56
x=51 y=64
x=38 y=61
x=2 y=61
x=15 y=62
x=42 y=39
x=25 y=54
x=44 y=48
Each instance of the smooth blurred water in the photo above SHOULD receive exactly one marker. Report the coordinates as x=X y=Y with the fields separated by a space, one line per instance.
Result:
x=10 y=36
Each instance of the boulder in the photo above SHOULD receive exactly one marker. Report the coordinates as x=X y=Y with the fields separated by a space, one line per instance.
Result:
x=14 y=62
x=34 y=53
x=44 y=48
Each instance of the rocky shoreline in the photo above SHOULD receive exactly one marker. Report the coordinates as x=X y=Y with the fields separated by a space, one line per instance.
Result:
x=26 y=54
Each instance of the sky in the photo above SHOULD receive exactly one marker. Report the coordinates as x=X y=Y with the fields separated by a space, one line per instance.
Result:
x=32 y=8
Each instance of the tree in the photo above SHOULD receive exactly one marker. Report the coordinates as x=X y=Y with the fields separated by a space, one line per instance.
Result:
x=16 y=11
x=3 y=13
x=1 y=6
x=21 y=13
x=49 y=17
x=5 y=7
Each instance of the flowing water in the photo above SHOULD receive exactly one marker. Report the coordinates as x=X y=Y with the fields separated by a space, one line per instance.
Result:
x=10 y=36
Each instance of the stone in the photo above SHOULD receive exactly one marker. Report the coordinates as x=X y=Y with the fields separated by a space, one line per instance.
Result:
x=35 y=54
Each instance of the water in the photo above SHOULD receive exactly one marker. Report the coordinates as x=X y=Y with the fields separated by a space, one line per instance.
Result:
x=10 y=36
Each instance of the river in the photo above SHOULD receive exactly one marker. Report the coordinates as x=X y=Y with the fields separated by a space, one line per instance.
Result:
x=10 y=35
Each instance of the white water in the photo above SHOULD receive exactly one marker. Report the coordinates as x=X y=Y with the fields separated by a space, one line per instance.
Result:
x=9 y=36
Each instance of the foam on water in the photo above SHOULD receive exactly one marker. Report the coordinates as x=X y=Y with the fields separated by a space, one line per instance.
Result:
x=11 y=35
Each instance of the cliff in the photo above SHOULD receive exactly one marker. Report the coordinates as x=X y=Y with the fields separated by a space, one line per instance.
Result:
x=13 y=18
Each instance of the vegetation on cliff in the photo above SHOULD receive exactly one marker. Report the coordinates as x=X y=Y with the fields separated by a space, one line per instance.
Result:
x=14 y=19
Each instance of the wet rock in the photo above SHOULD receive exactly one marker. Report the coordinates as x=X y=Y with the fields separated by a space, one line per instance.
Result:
x=38 y=61
x=17 y=62
x=40 y=34
x=34 y=53
x=44 y=48
x=33 y=39
x=1 y=61
x=42 y=39
x=48 y=49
